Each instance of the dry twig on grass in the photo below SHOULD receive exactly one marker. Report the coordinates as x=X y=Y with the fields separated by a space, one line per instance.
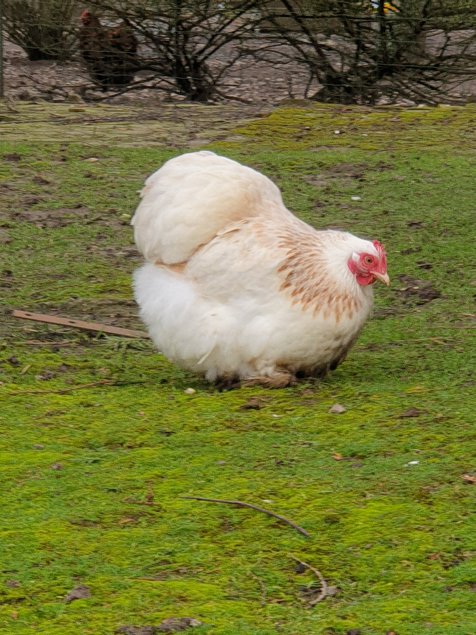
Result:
x=79 y=324
x=324 y=592
x=299 y=529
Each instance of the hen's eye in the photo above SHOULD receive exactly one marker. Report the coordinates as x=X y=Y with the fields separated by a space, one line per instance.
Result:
x=368 y=260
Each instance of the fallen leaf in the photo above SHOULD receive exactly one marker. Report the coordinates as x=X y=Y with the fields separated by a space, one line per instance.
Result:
x=337 y=456
x=46 y=375
x=337 y=409
x=469 y=479
x=126 y=521
x=252 y=404
x=79 y=593
x=411 y=412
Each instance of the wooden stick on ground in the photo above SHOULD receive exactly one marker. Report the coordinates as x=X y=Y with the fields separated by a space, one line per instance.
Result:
x=79 y=324
x=299 y=529
x=324 y=588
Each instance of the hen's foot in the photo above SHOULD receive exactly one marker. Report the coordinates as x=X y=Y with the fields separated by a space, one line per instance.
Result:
x=227 y=383
x=278 y=380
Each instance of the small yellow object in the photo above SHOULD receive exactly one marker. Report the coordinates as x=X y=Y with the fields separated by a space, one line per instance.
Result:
x=416 y=389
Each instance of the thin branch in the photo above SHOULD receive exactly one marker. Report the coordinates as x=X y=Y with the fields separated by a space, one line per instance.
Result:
x=79 y=324
x=241 y=100
x=299 y=529
x=324 y=588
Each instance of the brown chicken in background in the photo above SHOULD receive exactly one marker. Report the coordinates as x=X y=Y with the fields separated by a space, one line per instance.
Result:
x=110 y=54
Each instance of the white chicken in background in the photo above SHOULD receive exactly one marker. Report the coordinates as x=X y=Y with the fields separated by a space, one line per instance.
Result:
x=235 y=287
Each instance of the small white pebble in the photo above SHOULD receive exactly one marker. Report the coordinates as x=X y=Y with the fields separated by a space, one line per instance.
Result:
x=336 y=131
x=412 y=463
x=190 y=391
x=337 y=409
x=356 y=198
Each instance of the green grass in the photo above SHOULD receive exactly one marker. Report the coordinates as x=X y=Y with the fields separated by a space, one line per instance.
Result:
x=381 y=493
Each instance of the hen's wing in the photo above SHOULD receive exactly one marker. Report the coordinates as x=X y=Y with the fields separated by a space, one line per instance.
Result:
x=122 y=39
x=262 y=264
x=192 y=198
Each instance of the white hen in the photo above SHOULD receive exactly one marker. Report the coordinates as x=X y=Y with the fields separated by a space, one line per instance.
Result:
x=235 y=286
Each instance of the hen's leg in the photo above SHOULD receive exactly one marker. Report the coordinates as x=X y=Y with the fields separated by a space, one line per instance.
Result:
x=227 y=382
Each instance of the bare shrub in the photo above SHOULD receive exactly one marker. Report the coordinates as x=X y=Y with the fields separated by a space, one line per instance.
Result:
x=180 y=41
x=42 y=28
x=360 y=51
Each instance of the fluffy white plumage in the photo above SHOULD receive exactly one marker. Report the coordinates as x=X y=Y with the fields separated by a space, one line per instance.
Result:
x=235 y=286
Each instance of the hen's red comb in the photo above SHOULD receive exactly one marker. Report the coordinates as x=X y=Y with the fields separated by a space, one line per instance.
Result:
x=381 y=252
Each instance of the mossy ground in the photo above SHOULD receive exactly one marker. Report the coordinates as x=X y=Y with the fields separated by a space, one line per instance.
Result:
x=380 y=488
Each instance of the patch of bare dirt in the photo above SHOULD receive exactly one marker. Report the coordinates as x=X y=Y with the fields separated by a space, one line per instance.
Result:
x=417 y=291
x=63 y=216
x=264 y=84
x=346 y=172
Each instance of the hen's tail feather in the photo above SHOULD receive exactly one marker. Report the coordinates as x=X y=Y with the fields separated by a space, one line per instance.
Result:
x=193 y=197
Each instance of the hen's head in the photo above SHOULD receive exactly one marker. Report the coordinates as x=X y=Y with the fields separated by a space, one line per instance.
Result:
x=86 y=17
x=369 y=266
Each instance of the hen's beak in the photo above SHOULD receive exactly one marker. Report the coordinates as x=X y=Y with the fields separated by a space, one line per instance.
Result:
x=383 y=277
